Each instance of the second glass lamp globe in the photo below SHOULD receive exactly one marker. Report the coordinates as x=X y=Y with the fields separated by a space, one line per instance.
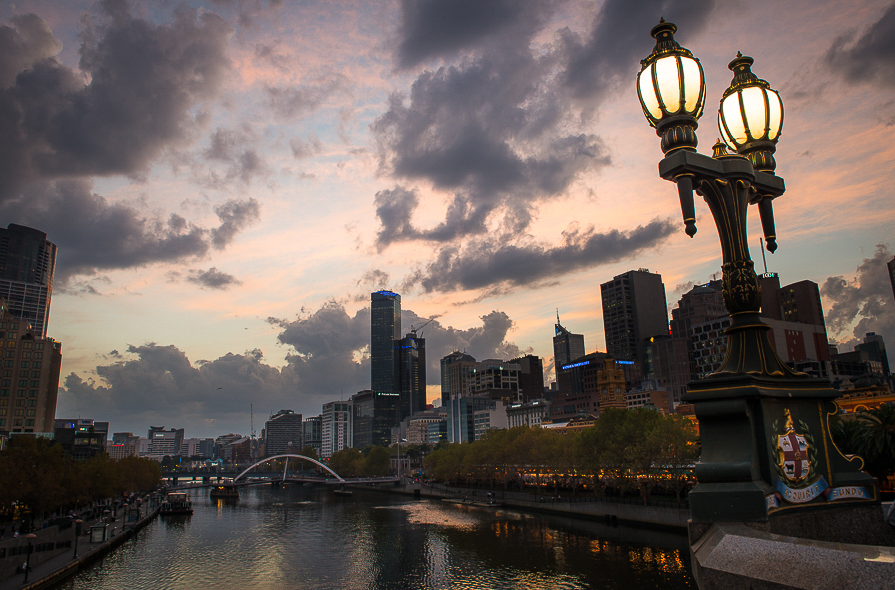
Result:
x=751 y=112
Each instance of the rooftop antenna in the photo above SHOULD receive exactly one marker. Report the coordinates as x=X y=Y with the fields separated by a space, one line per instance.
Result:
x=763 y=259
x=557 y=316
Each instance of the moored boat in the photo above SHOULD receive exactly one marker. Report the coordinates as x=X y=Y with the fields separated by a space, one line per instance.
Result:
x=176 y=503
x=224 y=492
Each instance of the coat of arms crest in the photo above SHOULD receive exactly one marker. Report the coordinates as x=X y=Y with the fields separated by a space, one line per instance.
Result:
x=796 y=454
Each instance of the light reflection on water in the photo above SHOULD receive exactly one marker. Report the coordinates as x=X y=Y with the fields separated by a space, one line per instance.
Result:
x=304 y=537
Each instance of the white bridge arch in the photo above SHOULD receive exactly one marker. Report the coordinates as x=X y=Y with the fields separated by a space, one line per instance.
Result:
x=287 y=457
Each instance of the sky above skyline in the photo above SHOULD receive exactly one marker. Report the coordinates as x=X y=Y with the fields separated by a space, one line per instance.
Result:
x=228 y=181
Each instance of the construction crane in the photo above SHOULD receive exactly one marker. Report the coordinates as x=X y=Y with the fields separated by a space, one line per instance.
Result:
x=426 y=323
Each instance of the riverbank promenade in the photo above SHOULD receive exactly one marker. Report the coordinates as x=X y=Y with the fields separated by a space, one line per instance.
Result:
x=62 y=563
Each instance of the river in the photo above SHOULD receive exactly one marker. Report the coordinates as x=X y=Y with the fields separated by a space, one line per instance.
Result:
x=304 y=537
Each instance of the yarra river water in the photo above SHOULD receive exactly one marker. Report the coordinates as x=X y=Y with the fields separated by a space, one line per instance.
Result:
x=304 y=537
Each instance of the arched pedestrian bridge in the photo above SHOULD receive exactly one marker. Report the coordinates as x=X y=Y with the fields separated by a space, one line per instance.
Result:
x=336 y=479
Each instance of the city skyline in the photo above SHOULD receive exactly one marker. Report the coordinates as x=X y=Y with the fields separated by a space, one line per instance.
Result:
x=222 y=217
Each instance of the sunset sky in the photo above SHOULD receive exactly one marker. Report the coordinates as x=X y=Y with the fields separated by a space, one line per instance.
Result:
x=228 y=181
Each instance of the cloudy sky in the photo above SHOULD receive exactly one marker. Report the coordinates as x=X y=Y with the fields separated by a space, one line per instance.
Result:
x=228 y=181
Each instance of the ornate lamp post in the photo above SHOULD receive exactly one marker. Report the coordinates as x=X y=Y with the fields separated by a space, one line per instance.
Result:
x=766 y=446
x=27 y=566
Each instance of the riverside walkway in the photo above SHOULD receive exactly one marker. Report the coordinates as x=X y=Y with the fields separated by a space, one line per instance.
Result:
x=45 y=571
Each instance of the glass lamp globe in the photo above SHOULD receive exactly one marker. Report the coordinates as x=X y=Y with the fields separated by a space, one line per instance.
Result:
x=751 y=112
x=671 y=82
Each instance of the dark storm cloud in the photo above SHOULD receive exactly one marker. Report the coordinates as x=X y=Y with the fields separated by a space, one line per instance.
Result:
x=235 y=216
x=395 y=207
x=130 y=99
x=438 y=29
x=486 y=264
x=867 y=298
x=610 y=54
x=867 y=58
x=500 y=129
x=28 y=41
x=94 y=234
x=157 y=384
x=213 y=279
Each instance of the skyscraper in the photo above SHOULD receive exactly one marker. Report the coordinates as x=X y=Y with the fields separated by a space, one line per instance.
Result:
x=633 y=310
x=385 y=328
x=891 y=266
x=566 y=346
x=27 y=264
x=451 y=380
x=410 y=373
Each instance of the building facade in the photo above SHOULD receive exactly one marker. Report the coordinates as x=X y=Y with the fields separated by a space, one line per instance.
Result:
x=375 y=413
x=385 y=328
x=633 y=310
x=29 y=384
x=410 y=373
x=592 y=383
x=284 y=433
x=566 y=346
x=313 y=433
x=458 y=360
x=165 y=442
x=27 y=266
x=336 y=425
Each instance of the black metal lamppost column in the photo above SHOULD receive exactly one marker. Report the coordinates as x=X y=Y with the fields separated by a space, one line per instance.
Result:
x=766 y=446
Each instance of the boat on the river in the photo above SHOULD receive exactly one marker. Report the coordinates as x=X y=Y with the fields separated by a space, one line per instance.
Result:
x=176 y=503
x=224 y=492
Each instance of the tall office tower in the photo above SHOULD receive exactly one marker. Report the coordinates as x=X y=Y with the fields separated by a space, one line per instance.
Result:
x=891 y=266
x=27 y=264
x=284 y=433
x=385 y=328
x=313 y=433
x=30 y=380
x=375 y=414
x=566 y=346
x=633 y=310
x=447 y=380
x=410 y=373
x=336 y=426
x=876 y=349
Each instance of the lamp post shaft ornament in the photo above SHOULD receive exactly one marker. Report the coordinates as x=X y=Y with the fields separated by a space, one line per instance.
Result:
x=764 y=428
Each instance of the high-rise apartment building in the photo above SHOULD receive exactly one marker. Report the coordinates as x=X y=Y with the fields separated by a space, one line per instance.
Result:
x=27 y=265
x=284 y=433
x=385 y=328
x=633 y=310
x=566 y=346
x=336 y=428
x=29 y=383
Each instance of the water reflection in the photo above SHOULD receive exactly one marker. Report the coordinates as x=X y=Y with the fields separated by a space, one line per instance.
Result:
x=304 y=537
